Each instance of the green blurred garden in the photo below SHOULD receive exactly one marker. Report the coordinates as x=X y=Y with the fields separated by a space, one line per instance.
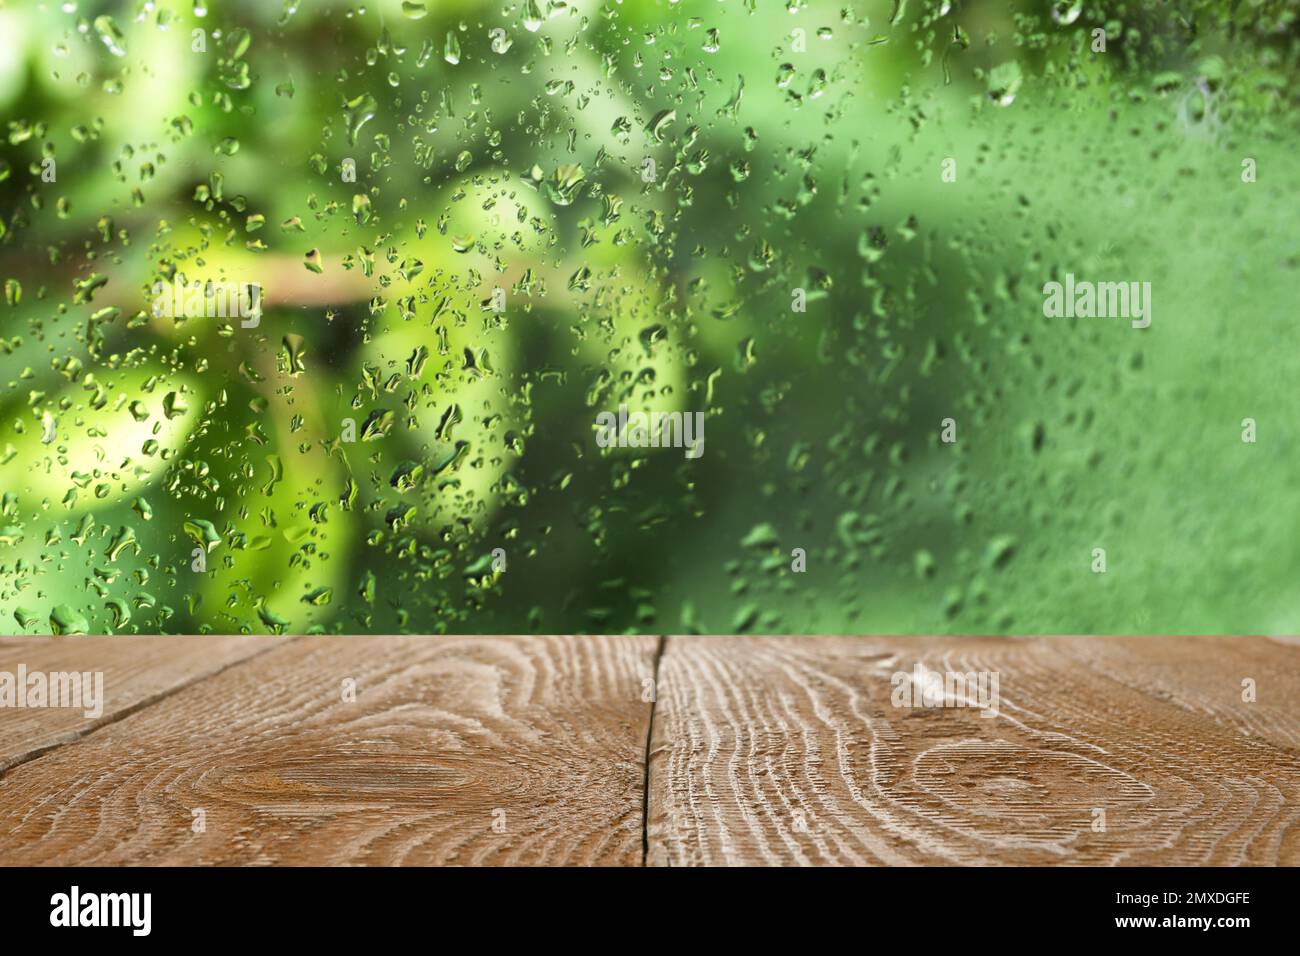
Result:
x=475 y=227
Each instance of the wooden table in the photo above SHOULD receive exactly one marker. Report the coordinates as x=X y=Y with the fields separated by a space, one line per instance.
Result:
x=554 y=750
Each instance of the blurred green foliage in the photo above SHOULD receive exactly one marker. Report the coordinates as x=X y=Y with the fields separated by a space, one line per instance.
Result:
x=915 y=172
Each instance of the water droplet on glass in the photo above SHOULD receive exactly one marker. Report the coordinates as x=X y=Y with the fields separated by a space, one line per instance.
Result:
x=532 y=16
x=1066 y=12
x=109 y=33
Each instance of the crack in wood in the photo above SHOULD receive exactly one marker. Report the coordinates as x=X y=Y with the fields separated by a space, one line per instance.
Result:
x=107 y=720
x=649 y=738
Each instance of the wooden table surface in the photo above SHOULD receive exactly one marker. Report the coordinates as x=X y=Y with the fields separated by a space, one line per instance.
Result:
x=676 y=751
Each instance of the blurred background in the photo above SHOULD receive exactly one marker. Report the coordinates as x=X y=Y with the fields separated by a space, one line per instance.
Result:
x=476 y=226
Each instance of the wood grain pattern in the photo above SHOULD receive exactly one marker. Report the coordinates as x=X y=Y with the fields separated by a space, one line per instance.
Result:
x=789 y=751
x=542 y=736
x=763 y=751
x=137 y=672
